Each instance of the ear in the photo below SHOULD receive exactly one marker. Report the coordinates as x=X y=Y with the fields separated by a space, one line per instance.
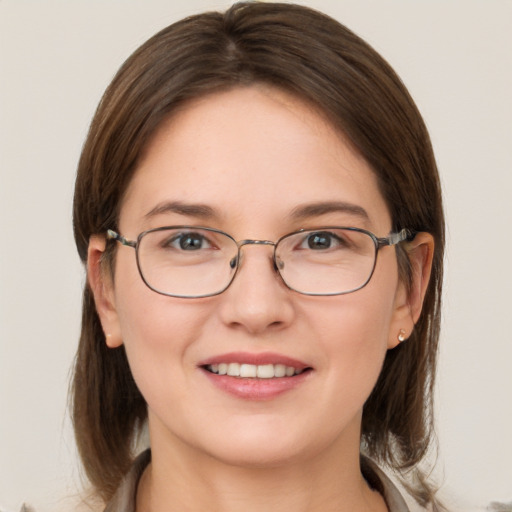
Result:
x=409 y=301
x=102 y=288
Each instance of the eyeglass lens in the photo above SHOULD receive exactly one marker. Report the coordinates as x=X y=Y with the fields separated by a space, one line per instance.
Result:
x=195 y=262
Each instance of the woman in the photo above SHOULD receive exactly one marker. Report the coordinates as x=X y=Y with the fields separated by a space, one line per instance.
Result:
x=258 y=207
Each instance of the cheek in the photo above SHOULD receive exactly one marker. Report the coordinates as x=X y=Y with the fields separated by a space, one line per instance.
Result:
x=354 y=331
x=147 y=318
x=159 y=337
x=354 y=339
x=157 y=332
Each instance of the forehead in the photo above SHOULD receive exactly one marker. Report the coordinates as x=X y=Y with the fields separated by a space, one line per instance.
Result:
x=253 y=152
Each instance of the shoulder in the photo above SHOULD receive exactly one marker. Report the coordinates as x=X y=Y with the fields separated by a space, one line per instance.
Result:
x=125 y=497
x=76 y=503
x=399 y=499
x=24 y=508
x=378 y=480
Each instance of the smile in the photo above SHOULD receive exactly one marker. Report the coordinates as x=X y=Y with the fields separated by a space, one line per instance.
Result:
x=255 y=376
x=261 y=371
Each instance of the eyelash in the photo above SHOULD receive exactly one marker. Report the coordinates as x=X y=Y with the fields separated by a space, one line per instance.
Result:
x=179 y=237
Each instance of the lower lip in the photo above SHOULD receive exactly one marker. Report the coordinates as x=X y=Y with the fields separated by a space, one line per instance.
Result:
x=256 y=389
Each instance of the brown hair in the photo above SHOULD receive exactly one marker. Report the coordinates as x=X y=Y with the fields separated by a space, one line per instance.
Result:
x=315 y=58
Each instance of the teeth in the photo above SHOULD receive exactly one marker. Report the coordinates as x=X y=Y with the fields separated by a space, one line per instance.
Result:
x=279 y=370
x=265 y=371
x=248 y=370
x=262 y=371
x=234 y=370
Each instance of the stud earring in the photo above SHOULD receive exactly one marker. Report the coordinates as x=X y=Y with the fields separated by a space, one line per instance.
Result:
x=401 y=336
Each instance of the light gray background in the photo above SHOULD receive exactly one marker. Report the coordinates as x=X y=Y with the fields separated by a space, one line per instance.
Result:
x=56 y=58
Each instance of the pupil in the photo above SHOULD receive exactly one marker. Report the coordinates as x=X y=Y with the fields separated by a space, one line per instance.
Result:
x=190 y=242
x=319 y=241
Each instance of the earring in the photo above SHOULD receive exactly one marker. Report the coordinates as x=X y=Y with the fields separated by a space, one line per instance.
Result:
x=401 y=336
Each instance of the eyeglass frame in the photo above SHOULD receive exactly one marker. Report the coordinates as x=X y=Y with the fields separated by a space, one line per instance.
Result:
x=392 y=239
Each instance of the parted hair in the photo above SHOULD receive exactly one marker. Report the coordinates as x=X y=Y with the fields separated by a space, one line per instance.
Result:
x=318 y=60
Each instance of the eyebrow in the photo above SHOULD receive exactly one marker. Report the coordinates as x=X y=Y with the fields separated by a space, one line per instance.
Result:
x=323 y=208
x=299 y=213
x=201 y=211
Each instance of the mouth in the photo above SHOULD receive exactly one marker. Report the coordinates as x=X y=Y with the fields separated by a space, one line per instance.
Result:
x=252 y=376
x=260 y=371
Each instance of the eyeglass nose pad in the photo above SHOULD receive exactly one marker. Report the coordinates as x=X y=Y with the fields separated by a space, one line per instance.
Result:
x=279 y=264
x=233 y=262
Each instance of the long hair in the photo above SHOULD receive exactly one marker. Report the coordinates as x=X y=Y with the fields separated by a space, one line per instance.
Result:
x=318 y=60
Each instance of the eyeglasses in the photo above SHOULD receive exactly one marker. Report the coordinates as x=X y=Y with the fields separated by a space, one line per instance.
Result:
x=195 y=262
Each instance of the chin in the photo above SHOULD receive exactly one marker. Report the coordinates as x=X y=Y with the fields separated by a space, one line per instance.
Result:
x=261 y=448
x=255 y=457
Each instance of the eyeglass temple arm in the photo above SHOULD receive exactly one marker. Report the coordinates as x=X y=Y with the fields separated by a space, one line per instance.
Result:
x=112 y=235
x=396 y=238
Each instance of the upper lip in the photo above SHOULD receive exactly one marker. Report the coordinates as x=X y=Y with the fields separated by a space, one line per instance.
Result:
x=255 y=359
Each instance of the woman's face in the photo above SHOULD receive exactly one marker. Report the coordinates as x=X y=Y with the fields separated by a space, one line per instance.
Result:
x=248 y=162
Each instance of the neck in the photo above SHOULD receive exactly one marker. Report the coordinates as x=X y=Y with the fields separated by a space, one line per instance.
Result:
x=180 y=478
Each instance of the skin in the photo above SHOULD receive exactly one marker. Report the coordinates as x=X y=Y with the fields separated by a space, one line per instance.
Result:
x=212 y=450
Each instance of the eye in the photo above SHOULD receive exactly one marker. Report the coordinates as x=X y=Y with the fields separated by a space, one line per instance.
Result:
x=322 y=240
x=188 y=242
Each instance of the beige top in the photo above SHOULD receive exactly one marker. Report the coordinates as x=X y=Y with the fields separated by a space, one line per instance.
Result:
x=124 y=499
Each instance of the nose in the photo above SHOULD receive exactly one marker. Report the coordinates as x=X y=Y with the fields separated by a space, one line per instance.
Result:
x=257 y=300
